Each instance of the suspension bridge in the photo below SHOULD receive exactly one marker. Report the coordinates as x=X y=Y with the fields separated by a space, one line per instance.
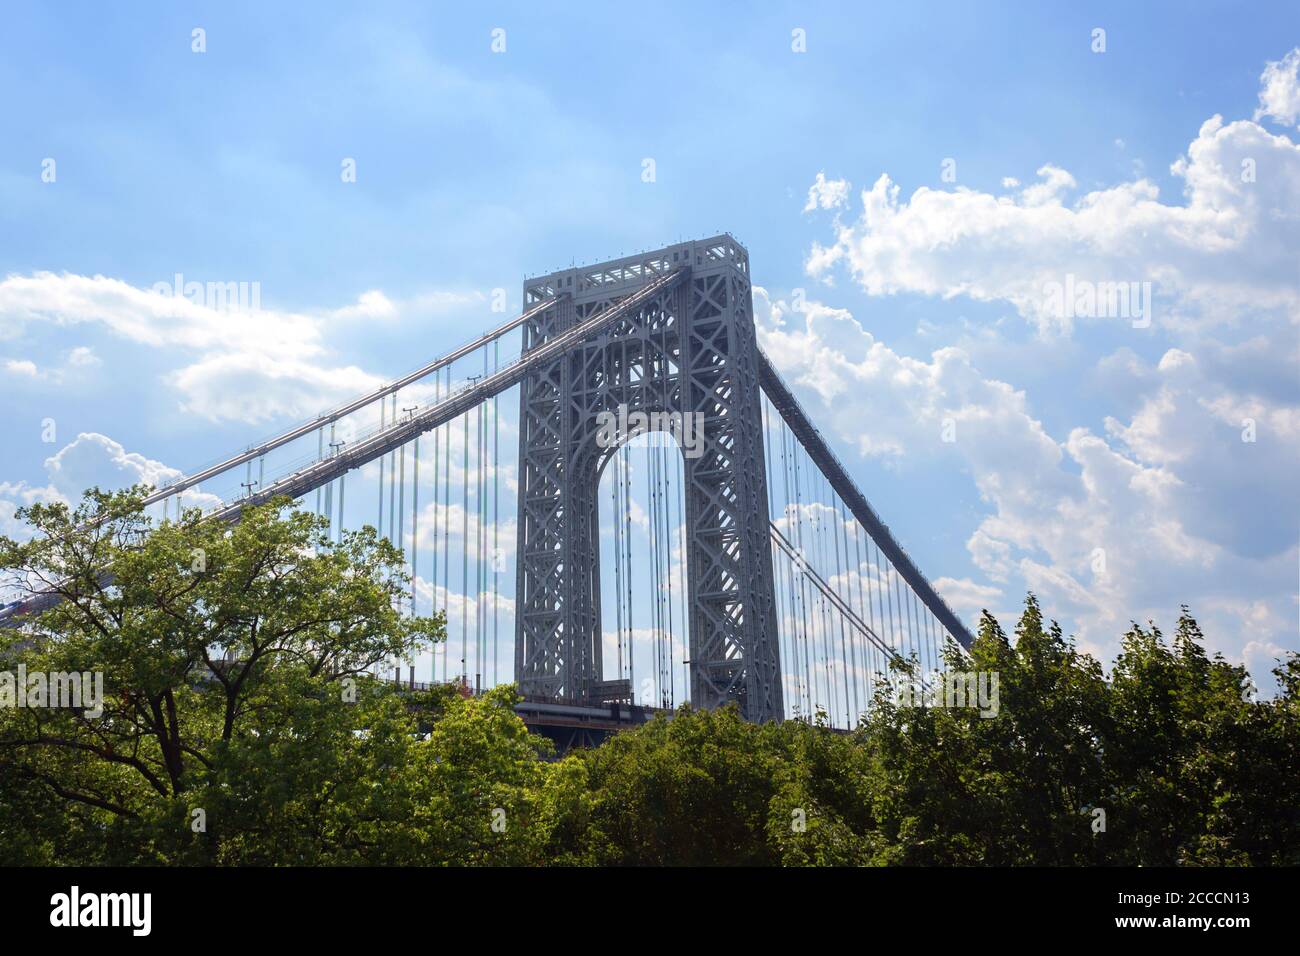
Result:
x=681 y=531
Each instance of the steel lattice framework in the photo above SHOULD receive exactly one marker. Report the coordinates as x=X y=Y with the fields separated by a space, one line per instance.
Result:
x=689 y=349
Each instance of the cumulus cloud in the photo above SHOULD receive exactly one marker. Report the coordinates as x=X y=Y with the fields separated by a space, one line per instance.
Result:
x=23 y=368
x=1226 y=251
x=150 y=317
x=827 y=193
x=254 y=387
x=966 y=596
x=1279 y=94
x=256 y=363
x=78 y=360
x=19 y=494
x=94 y=459
x=90 y=460
x=83 y=357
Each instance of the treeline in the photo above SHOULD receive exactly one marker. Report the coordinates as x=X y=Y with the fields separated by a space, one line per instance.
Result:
x=239 y=726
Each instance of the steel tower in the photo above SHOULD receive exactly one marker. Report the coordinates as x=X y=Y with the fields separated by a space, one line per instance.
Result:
x=690 y=348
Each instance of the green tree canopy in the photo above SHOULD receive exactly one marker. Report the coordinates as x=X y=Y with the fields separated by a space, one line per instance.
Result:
x=230 y=656
x=240 y=724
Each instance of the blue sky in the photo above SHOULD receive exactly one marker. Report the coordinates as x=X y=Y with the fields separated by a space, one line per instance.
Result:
x=475 y=168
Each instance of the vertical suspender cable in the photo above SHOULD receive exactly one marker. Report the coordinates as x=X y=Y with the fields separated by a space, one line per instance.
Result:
x=446 y=530
x=320 y=453
x=399 y=535
x=329 y=491
x=923 y=630
x=816 y=518
x=668 y=572
x=628 y=586
x=482 y=528
x=930 y=624
x=771 y=517
x=480 y=576
x=668 y=448
x=792 y=637
x=615 y=527
x=393 y=481
x=342 y=488
x=841 y=562
x=656 y=582
x=923 y=625
x=665 y=448
x=895 y=639
x=879 y=600
x=791 y=515
x=796 y=571
x=817 y=608
x=828 y=636
x=464 y=552
x=666 y=546
x=654 y=573
x=895 y=594
x=912 y=626
x=881 y=585
x=627 y=564
x=433 y=576
x=863 y=610
x=683 y=573
x=935 y=650
x=415 y=522
x=809 y=672
x=496 y=512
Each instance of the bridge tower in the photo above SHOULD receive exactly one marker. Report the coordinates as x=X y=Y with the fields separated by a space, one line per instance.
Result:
x=690 y=348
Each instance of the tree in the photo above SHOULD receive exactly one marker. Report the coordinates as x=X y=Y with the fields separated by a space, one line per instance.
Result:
x=1199 y=770
x=240 y=724
x=237 y=701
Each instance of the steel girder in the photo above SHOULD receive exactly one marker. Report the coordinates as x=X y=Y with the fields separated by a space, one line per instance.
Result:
x=690 y=348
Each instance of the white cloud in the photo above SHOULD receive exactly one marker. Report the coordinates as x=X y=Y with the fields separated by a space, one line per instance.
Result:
x=78 y=359
x=89 y=460
x=965 y=595
x=94 y=459
x=253 y=387
x=256 y=364
x=1228 y=250
x=149 y=317
x=15 y=495
x=369 y=305
x=25 y=368
x=1279 y=94
x=827 y=193
x=83 y=357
